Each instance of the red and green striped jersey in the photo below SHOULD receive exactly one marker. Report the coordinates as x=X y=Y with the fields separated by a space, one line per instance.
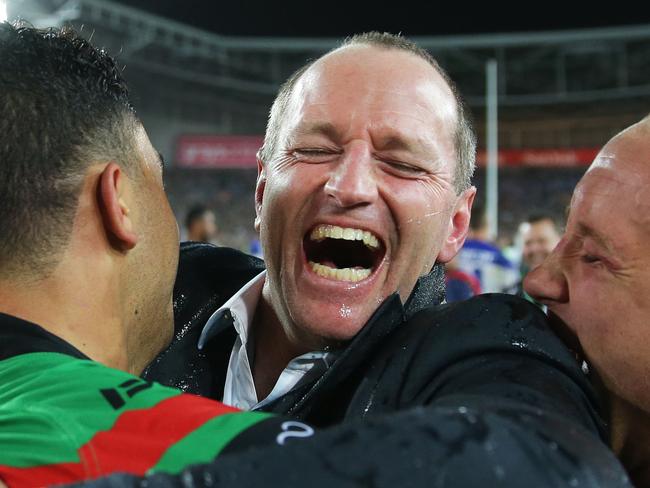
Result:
x=66 y=419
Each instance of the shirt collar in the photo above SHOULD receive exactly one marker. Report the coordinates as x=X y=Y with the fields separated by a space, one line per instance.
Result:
x=237 y=312
x=18 y=336
x=429 y=290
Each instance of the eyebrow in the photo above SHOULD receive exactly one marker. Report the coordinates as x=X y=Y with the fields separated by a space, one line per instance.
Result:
x=600 y=239
x=391 y=142
x=324 y=128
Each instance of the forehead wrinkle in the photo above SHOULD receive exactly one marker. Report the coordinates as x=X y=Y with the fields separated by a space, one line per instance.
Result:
x=311 y=128
x=642 y=203
x=585 y=230
x=605 y=183
x=387 y=110
x=314 y=87
x=416 y=145
x=607 y=188
x=610 y=184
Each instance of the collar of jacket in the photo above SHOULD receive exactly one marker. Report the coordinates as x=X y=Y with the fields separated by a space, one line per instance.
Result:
x=429 y=291
x=18 y=336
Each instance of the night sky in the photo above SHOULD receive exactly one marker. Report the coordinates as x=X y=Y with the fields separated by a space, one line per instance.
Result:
x=324 y=18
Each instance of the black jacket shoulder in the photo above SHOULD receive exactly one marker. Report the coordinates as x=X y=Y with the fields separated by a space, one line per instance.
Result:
x=207 y=277
x=493 y=349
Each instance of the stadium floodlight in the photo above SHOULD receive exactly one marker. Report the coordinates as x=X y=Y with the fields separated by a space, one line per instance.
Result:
x=3 y=10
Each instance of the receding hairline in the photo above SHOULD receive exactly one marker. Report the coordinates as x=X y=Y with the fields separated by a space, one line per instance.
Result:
x=363 y=45
x=627 y=151
x=315 y=64
x=463 y=133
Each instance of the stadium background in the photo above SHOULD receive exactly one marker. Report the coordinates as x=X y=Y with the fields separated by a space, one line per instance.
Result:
x=203 y=76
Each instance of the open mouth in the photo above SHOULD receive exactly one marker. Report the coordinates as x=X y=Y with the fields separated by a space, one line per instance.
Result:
x=343 y=253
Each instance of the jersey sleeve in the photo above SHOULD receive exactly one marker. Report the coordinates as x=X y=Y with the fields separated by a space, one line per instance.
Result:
x=69 y=420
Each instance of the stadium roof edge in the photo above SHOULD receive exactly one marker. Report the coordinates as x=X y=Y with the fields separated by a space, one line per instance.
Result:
x=486 y=41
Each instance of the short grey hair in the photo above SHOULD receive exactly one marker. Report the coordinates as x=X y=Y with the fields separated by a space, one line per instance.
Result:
x=464 y=136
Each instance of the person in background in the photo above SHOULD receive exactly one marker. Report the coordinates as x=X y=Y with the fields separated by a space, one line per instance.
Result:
x=540 y=235
x=460 y=285
x=539 y=239
x=201 y=224
x=481 y=258
x=255 y=248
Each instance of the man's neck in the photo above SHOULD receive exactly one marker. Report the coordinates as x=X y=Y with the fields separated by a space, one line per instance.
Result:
x=77 y=316
x=631 y=440
x=274 y=350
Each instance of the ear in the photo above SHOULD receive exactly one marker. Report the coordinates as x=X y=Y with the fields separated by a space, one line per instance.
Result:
x=259 y=192
x=458 y=226
x=115 y=212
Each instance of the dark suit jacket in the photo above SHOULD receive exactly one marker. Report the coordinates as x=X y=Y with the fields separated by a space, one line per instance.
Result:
x=474 y=393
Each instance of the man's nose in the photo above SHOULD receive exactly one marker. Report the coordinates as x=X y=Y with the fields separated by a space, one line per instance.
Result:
x=547 y=283
x=353 y=179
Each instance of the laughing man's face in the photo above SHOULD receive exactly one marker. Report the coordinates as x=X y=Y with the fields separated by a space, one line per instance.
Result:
x=359 y=202
x=596 y=281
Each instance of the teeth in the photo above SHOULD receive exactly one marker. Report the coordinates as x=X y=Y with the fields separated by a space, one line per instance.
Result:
x=343 y=274
x=334 y=232
x=370 y=240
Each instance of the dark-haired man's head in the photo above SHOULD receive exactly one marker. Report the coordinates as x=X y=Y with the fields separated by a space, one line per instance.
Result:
x=64 y=105
x=81 y=197
x=201 y=224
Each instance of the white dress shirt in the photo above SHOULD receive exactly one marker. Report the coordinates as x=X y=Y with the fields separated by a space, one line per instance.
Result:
x=239 y=389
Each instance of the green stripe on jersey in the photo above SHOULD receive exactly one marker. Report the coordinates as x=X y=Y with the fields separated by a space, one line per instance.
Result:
x=205 y=443
x=57 y=394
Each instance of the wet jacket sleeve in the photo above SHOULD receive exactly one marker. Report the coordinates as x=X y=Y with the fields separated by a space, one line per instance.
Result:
x=430 y=446
x=503 y=403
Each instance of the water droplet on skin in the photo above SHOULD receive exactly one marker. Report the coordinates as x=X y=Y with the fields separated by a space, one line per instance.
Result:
x=345 y=311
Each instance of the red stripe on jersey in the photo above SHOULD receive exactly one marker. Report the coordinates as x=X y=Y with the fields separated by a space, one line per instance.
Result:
x=133 y=445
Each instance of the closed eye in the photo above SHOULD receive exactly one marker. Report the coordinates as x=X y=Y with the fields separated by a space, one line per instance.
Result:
x=404 y=169
x=313 y=155
x=591 y=259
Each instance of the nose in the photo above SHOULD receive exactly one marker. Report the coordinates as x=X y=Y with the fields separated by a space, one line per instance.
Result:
x=352 y=180
x=547 y=283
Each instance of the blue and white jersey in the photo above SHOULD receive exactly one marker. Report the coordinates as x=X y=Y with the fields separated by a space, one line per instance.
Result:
x=486 y=261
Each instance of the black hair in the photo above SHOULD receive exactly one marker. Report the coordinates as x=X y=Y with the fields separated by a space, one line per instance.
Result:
x=64 y=105
x=195 y=213
x=541 y=217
